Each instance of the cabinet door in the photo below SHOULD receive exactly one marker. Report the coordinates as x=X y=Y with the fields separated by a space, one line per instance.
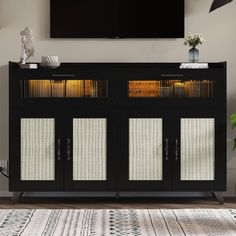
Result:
x=146 y=158
x=200 y=153
x=35 y=156
x=88 y=158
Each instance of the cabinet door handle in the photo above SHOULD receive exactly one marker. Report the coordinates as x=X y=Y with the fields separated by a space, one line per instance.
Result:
x=58 y=149
x=166 y=149
x=63 y=75
x=176 y=149
x=68 y=149
x=172 y=75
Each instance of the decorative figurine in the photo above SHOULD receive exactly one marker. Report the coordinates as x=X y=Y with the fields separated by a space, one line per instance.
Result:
x=27 y=50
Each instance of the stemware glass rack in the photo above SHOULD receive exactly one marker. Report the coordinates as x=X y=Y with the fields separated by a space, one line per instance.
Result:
x=171 y=88
x=99 y=88
x=64 y=88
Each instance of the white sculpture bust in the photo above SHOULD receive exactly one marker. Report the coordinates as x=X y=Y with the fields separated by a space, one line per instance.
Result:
x=27 y=49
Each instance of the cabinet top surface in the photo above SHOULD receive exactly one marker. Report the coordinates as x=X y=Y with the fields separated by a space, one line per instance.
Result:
x=171 y=65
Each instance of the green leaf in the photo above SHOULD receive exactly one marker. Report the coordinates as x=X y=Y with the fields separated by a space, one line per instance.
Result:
x=233 y=120
x=234 y=144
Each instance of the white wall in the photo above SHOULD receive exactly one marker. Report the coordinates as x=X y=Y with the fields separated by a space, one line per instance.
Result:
x=218 y=28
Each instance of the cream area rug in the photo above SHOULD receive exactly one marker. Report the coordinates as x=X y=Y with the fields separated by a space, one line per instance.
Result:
x=130 y=222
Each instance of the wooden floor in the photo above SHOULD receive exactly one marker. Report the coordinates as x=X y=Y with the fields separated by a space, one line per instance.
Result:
x=109 y=203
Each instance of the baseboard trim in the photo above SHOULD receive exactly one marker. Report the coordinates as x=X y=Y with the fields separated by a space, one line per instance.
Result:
x=5 y=194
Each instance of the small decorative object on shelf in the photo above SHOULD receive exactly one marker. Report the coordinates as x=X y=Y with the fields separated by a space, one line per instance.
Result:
x=28 y=66
x=193 y=40
x=27 y=49
x=50 y=61
x=193 y=55
x=194 y=66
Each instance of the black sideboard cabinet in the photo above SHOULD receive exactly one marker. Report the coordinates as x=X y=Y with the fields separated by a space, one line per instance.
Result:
x=118 y=127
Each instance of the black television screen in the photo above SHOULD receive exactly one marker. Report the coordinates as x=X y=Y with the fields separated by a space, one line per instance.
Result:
x=117 y=18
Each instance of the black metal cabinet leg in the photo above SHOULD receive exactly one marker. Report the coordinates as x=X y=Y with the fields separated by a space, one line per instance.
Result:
x=16 y=196
x=219 y=197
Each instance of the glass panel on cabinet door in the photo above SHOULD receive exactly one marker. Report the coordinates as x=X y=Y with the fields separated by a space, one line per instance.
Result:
x=145 y=149
x=89 y=149
x=64 y=88
x=197 y=147
x=171 y=88
x=37 y=149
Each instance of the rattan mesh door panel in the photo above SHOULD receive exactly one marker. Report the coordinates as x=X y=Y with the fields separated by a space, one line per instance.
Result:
x=145 y=149
x=89 y=149
x=197 y=149
x=37 y=149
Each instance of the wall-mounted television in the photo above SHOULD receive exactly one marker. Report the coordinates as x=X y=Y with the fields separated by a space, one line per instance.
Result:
x=117 y=18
